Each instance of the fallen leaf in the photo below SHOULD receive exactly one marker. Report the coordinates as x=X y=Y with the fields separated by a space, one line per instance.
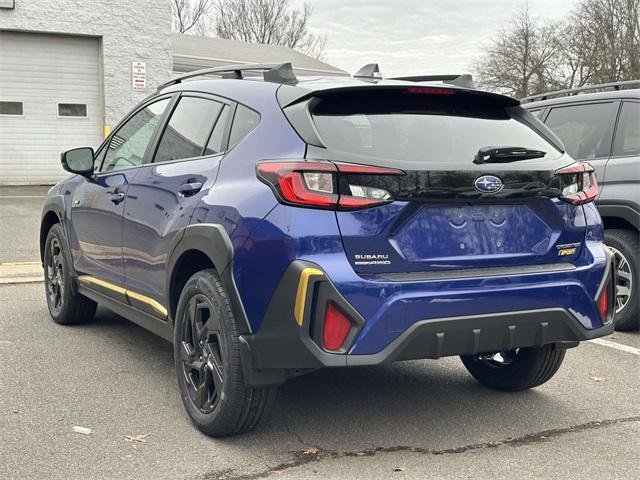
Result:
x=398 y=469
x=310 y=451
x=136 y=438
x=599 y=379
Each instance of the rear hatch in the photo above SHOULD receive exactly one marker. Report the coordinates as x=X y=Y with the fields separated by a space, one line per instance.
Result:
x=463 y=198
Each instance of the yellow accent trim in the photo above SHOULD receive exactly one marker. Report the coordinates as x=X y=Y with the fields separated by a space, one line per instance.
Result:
x=106 y=130
x=102 y=283
x=149 y=301
x=128 y=293
x=301 y=294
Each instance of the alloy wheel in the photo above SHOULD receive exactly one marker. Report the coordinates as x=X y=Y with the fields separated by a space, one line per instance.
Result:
x=201 y=352
x=55 y=275
x=624 y=279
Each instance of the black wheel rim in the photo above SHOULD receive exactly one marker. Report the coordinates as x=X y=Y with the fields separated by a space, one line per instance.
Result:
x=498 y=359
x=201 y=353
x=55 y=276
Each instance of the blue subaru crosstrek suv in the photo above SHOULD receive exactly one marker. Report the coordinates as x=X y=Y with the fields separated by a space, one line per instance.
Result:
x=270 y=226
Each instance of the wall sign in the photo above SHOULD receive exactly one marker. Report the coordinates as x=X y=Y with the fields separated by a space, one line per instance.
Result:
x=9 y=4
x=139 y=76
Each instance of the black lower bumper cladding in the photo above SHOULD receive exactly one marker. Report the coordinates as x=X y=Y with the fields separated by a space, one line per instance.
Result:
x=282 y=346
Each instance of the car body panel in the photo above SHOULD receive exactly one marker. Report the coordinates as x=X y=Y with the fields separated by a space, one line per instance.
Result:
x=509 y=263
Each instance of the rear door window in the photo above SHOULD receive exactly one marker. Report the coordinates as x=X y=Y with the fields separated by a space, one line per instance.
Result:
x=419 y=130
x=627 y=142
x=585 y=129
x=189 y=129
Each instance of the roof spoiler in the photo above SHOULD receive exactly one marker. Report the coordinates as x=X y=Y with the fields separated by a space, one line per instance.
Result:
x=271 y=72
x=458 y=80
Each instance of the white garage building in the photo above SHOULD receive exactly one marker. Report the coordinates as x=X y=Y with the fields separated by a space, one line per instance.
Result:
x=70 y=70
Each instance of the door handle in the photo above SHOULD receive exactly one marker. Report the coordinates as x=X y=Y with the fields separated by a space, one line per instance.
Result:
x=190 y=188
x=117 y=197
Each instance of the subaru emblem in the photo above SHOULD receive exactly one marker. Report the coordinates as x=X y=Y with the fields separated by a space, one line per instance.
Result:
x=488 y=184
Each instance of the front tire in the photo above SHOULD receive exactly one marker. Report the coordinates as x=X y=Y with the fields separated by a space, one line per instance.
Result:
x=515 y=370
x=625 y=246
x=208 y=364
x=66 y=306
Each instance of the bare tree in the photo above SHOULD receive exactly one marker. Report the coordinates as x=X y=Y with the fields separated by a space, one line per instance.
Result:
x=522 y=58
x=190 y=16
x=268 y=21
x=598 y=42
x=609 y=33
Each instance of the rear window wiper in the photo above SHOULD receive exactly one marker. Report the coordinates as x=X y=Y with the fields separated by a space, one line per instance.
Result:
x=506 y=154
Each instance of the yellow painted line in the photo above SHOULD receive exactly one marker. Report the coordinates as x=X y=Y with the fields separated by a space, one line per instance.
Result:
x=149 y=301
x=22 y=196
x=301 y=294
x=157 y=306
x=15 y=264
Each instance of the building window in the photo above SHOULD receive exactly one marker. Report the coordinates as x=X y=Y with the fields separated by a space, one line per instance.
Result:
x=72 y=110
x=11 y=108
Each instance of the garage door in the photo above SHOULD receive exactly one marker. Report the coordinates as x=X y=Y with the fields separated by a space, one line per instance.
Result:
x=50 y=101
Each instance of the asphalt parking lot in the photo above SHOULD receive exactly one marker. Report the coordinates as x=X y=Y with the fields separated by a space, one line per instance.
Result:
x=412 y=420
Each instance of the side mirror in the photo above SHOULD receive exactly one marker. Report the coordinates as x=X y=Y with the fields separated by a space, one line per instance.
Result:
x=78 y=160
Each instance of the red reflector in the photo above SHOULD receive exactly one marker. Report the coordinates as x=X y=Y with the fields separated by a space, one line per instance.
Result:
x=336 y=328
x=430 y=91
x=603 y=304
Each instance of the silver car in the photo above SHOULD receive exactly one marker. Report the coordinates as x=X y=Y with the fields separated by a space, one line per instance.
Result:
x=600 y=124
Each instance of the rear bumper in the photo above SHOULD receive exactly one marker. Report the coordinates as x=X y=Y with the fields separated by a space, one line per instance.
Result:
x=289 y=338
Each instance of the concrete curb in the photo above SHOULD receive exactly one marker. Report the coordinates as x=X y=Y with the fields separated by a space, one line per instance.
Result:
x=20 y=272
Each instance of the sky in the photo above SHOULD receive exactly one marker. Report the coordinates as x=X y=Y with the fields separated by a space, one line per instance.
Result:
x=409 y=37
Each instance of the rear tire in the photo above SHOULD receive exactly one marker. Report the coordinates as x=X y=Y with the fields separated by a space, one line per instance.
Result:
x=66 y=305
x=625 y=246
x=208 y=364
x=516 y=370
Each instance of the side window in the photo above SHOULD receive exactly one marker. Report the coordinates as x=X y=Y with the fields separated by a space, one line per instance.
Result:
x=627 y=140
x=189 y=129
x=537 y=113
x=585 y=130
x=129 y=142
x=216 y=142
x=244 y=121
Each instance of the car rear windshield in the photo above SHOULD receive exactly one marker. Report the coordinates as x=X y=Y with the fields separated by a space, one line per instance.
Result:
x=415 y=129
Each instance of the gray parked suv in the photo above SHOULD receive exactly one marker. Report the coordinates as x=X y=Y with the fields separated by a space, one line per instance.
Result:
x=603 y=128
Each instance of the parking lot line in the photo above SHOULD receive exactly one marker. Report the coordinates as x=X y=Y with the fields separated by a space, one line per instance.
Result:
x=617 y=346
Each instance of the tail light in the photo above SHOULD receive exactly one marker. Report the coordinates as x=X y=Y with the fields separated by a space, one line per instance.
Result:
x=335 y=329
x=324 y=184
x=578 y=183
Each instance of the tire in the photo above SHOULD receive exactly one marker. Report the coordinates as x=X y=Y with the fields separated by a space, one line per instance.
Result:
x=518 y=370
x=66 y=305
x=208 y=365
x=625 y=246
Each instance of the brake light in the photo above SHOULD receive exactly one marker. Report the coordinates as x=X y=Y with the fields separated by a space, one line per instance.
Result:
x=335 y=329
x=315 y=184
x=579 y=184
x=430 y=91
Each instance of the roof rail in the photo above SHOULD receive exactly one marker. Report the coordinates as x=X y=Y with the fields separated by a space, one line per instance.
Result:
x=464 y=80
x=272 y=72
x=586 y=88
